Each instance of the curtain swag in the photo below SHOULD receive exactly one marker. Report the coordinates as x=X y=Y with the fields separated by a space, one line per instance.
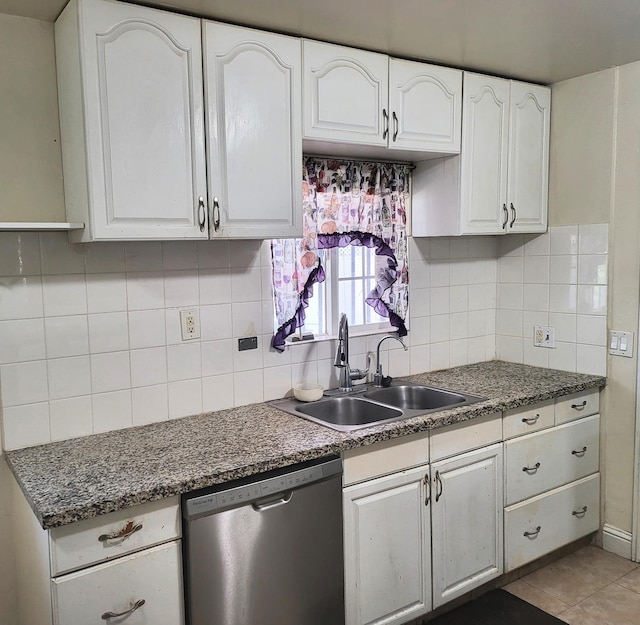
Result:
x=345 y=203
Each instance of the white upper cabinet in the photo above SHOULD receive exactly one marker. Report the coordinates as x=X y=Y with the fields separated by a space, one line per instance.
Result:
x=361 y=98
x=499 y=183
x=132 y=123
x=425 y=103
x=253 y=103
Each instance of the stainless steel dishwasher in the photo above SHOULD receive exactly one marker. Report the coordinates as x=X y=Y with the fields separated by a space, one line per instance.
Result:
x=267 y=550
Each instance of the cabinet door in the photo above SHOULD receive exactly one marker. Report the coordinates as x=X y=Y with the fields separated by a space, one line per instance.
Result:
x=425 y=104
x=134 y=75
x=153 y=576
x=528 y=183
x=387 y=538
x=345 y=94
x=467 y=522
x=485 y=127
x=253 y=99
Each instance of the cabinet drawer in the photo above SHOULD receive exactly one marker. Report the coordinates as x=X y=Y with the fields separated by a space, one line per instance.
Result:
x=465 y=436
x=545 y=460
x=577 y=405
x=526 y=420
x=88 y=542
x=153 y=576
x=544 y=523
x=364 y=463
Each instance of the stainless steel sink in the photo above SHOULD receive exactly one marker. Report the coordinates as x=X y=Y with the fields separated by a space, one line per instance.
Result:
x=412 y=397
x=367 y=406
x=348 y=412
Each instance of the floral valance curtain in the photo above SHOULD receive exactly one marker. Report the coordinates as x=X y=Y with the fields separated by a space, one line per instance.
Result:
x=345 y=203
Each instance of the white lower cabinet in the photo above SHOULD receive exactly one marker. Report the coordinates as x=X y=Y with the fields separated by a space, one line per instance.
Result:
x=143 y=588
x=387 y=548
x=466 y=517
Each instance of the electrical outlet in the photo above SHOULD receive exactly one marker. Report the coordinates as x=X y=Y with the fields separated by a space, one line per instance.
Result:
x=544 y=336
x=190 y=324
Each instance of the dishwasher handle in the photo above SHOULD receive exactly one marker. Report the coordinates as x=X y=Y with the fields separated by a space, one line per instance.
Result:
x=281 y=501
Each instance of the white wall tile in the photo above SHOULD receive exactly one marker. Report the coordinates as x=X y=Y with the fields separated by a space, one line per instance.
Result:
x=25 y=426
x=511 y=269
x=214 y=286
x=179 y=255
x=459 y=326
x=71 y=418
x=217 y=357
x=439 y=331
x=439 y=248
x=536 y=297
x=185 y=398
x=479 y=296
x=536 y=269
x=510 y=322
x=458 y=247
x=563 y=269
x=184 y=362
x=510 y=348
x=399 y=363
x=246 y=319
x=181 y=289
x=512 y=245
x=64 y=295
x=440 y=300
x=66 y=336
x=591 y=359
x=419 y=271
x=276 y=382
x=458 y=354
x=58 y=256
x=564 y=325
x=217 y=392
x=149 y=404
x=110 y=372
x=245 y=284
x=420 y=329
x=304 y=372
x=594 y=238
x=252 y=358
x=440 y=356
x=458 y=299
x=21 y=297
x=419 y=303
x=592 y=300
x=563 y=298
x=511 y=296
x=21 y=340
x=69 y=377
x=143 y=256
x=535 y=356
x=147 y=328
x=564 y=240
x=420 y=358
x=244 y=253
x=476 y=349
x=145 y=291
x=24 y=383
x=19 y=254
x=106 y=292
x=104 y=257
x=563 y=357
x=537 y=244
x=111 y=411
x=213 y=254
x=592 y=330
x=215 y=322
x=459 y=272
x=592 y=269
x=248 y=387
x=439 y=273
x=148 y=366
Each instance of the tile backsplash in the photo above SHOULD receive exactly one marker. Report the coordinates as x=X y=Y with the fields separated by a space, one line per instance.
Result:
x=90 y=334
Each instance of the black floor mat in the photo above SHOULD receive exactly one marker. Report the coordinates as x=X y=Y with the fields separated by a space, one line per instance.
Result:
x=497 y=607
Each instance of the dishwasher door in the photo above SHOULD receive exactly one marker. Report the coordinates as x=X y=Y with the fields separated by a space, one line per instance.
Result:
x=269 y=551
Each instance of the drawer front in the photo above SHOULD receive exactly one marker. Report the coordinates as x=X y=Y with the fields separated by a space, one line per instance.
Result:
x=364 y=463
x=521 y=421
x=539 y=525
x=96 y=540
x=466 y=436
x=539 y=462
x=153 y=576
x=577 y=405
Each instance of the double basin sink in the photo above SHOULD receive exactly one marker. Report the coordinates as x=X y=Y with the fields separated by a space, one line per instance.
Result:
x=367 y=406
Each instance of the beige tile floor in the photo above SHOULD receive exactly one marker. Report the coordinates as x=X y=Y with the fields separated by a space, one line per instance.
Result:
x=587 y=587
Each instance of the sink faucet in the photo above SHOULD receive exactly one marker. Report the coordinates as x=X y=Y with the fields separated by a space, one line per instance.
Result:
x=377 y=378
x=347 y=374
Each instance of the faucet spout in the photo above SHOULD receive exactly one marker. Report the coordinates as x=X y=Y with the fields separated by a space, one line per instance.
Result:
x=377 y=378
x=347 y=375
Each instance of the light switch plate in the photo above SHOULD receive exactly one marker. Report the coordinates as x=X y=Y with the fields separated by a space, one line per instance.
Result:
x=621 y=343
x=544 y=336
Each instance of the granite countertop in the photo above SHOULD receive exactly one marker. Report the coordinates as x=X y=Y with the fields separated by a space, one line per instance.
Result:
x=82 y=478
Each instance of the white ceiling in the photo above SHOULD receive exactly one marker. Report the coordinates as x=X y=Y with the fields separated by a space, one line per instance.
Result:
x=539 y=40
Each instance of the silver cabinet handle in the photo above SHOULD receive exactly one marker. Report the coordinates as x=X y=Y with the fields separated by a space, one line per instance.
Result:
x=579 y=452
x=385 y=117
x=580 y=512
x=216 y=214
x=395 y=126
x=534 y=533
x=579 y=406
x=439 y=491
x=134 y=606
x=122 y=534
x=531 y=470
x=202 y=215
x=427 y=484
x=506 y=217
x=513 y=215
x=531 y=420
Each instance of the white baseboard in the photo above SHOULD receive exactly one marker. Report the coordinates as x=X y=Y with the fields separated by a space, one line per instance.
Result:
x=617 y=541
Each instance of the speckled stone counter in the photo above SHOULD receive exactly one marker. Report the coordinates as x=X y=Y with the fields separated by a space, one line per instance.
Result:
x=81 y=478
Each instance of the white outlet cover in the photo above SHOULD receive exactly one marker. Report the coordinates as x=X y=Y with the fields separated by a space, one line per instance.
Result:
x=190 y=324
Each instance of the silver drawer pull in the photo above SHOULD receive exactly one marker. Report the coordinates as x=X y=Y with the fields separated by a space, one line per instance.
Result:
x=531 y=470
x=580 y=512
x=124 y=533
x=579 y=406
x=580 y=452
x=531 y=420
x=134 y=606
x=534 y=533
